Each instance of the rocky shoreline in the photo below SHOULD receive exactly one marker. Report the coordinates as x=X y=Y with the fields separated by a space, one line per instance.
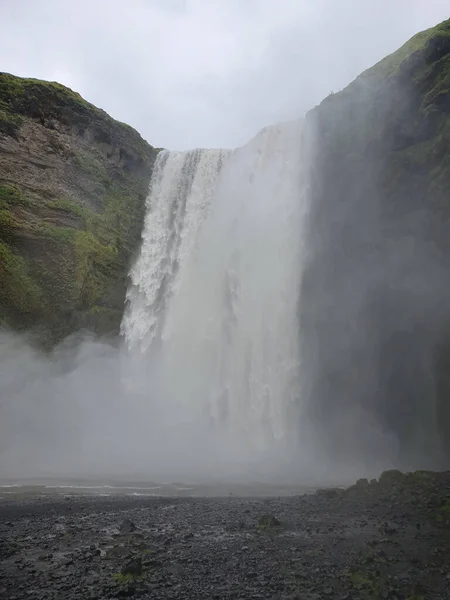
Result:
x=386 y=539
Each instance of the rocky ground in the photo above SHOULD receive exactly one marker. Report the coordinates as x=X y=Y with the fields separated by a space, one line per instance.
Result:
x=388 y=539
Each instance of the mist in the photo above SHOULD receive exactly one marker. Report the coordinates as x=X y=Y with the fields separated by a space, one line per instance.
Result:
x=91 y=411
x=231 y=363
x=374 y=310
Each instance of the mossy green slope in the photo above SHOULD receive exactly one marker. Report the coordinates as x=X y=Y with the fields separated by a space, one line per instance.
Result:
x=73 y=184
x=376 y=289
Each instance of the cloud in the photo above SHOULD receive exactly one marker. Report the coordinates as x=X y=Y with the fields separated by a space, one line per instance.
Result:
x=189 y=73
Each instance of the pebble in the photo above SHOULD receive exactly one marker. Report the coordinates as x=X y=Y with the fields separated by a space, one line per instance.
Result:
x=334 y=537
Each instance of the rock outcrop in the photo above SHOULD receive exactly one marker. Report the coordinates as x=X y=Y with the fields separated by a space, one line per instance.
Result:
x=375 y=307
x=73 y=184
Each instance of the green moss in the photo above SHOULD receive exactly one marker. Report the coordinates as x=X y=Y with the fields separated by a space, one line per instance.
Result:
x=12 y=88
x=439 y=74
x=67 y=206
x=392 y=477
x=7 y=221
x=390 y=65
x=10 y=195
x=422 y=476
x=18 y=290
x=64 y=235
x=442 y=514
x=369 y=585
x=268 y=522
x=359 y=580
x=93 y=266
x=9 y=123
x=91 y=165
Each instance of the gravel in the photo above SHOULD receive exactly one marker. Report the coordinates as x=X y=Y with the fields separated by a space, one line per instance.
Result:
x=387 y=540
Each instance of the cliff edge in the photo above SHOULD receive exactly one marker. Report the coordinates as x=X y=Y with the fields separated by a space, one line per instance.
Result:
x=73 y=183
x=375 y=306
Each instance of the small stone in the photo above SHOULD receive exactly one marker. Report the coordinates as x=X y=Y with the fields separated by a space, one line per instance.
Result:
x=269 y=522
x=391 y=528
x=175 y=569
x=363 y=482
x=392 y=477
x=127 y=527
x=134 y=567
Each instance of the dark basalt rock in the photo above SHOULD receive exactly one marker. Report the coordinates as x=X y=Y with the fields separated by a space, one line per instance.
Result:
x=127 y=527
x=268 y=522
x=134 y=567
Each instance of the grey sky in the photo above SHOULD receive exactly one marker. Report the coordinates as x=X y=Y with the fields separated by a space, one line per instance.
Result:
x=211 y=73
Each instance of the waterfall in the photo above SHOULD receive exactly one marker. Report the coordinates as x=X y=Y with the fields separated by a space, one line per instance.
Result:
x=213 y=298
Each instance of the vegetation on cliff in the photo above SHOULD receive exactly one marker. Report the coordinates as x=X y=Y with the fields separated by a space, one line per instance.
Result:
x=375 y=305
x=73 y=184
x=402 y=104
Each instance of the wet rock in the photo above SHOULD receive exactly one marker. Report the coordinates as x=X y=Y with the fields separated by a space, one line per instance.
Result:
x=391 y=528
x=133 y=567
x=127 y=527
x=126 y=591
x=175 y=569
x=328 y=493
x=268 y=522
x=392 y=477
x=363 y=482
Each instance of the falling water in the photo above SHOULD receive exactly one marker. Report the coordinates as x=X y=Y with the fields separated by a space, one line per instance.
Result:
x=213 y=299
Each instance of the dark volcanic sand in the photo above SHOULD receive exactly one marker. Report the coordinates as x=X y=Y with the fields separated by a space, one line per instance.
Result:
x=384 y=540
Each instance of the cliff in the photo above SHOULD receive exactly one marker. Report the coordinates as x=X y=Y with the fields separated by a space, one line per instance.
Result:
x=375 y=306
x=73 y=184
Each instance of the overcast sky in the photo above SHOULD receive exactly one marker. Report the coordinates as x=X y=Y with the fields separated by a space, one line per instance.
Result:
x=209 y=73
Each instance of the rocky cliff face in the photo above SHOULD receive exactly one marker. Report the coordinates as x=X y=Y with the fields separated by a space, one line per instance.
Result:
x=375 y=307
x=73 y=184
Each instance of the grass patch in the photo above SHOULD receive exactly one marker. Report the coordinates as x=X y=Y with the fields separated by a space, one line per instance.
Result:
x=390 y=65
x=268 y=523
x=442 y=513
x=122 y=579
x=9 y=123
x=10 y=195
x=91 y=165
x=64 y=235
x=94 y=261
x=67 y=206
x=18 y=290
x=370 y=586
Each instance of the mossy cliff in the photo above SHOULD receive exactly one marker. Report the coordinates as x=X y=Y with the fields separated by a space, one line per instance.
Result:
x=375 y=306
x=73 y=184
